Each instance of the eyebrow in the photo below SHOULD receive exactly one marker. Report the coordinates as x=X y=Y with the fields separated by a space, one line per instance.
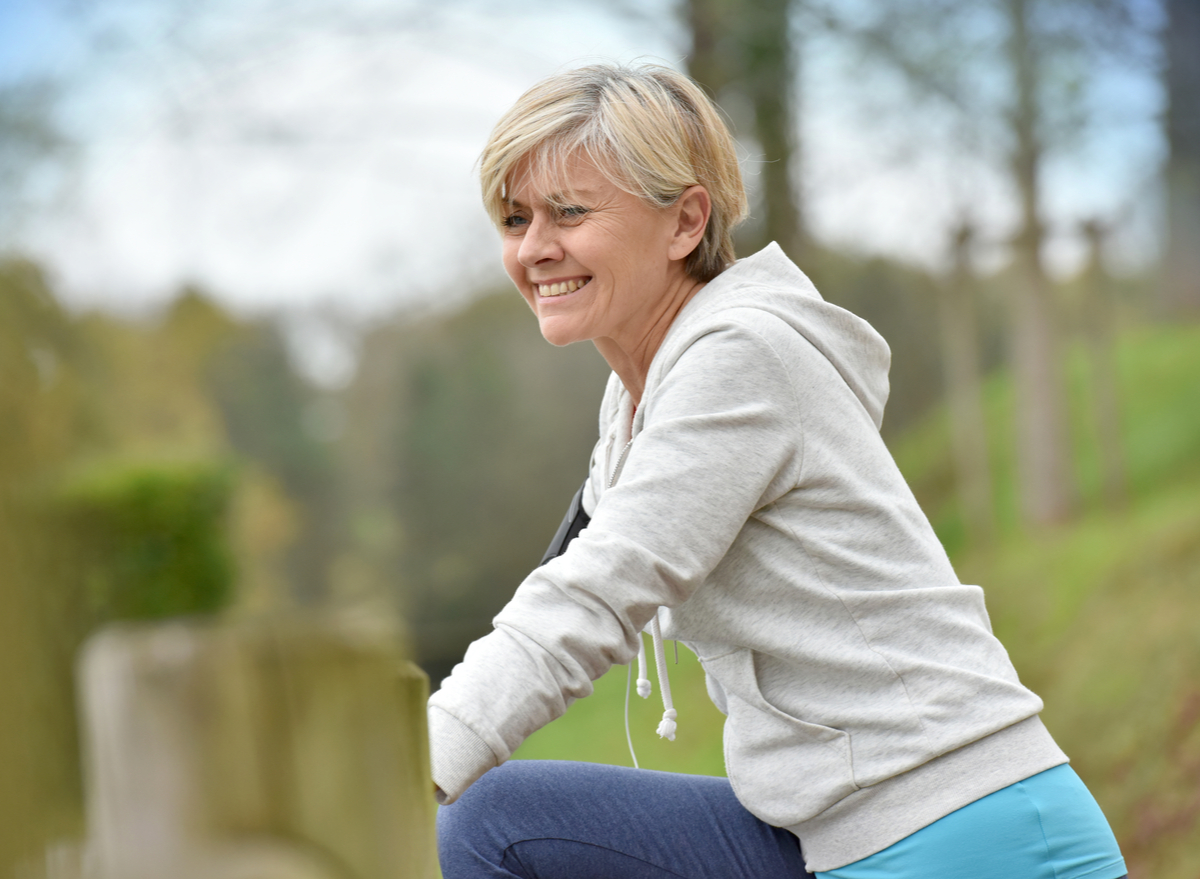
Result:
x=558 y=197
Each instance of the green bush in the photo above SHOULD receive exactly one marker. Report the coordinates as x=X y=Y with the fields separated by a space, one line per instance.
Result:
x=150 y=540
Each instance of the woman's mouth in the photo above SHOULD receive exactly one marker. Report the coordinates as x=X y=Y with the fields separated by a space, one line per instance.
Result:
x=548 y=290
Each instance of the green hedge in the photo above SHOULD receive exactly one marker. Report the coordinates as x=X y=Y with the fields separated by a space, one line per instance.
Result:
x=150 y=540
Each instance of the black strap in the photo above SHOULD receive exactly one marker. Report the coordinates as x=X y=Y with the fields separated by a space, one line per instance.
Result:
x=574 y=522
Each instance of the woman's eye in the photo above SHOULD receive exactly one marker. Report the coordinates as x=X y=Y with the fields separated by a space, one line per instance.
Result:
x=514 y=221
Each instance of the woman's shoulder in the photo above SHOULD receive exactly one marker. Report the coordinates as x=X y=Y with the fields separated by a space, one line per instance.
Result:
x=760 y=324
x=741 y=335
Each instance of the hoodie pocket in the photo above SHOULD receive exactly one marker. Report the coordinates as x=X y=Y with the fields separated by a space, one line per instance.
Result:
x=783 y=769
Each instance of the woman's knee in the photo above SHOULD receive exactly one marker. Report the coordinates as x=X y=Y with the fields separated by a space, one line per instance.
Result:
x=480 y=822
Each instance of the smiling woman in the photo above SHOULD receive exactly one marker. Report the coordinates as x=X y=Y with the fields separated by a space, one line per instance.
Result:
x=607 y=268
x=740 y=500
x=632 y=206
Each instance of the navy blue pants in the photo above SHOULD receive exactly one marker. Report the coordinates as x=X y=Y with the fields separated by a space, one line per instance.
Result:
x=522 y=819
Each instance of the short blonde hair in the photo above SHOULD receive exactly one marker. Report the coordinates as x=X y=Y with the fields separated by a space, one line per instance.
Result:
x=651 y=130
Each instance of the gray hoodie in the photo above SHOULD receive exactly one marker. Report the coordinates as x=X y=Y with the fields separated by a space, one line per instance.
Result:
x=751 y=497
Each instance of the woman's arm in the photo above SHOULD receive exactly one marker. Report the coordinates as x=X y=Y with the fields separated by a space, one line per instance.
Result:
x=720 y=439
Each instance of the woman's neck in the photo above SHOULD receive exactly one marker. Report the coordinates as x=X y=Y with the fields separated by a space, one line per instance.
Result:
x=630 y=358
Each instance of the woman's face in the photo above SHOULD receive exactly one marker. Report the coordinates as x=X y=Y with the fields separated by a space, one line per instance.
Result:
x=597 y=268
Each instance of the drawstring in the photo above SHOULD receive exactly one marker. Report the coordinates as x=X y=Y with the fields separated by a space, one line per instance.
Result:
x=666 y=729
x=643 y=682
x=628 y=737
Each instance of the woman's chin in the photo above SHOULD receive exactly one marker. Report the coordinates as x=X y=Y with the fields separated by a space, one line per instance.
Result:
x=559 y=332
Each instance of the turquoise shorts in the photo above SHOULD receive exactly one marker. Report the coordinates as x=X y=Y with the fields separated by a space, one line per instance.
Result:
x=1045 y=827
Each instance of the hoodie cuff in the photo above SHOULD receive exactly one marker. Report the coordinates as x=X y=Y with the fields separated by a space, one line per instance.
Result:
x=458 y=755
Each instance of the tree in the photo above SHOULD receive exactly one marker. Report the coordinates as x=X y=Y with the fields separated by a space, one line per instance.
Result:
x=272 y=421
x=1099 y=332
x=1013 y=73
x=1181 y=263
x=962 y=366
x=30 y=144
x=745 y=49
x=1043 y=445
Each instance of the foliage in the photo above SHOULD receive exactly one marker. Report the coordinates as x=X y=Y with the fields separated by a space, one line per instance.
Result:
x=271 y=421
x=470 y=435
x=45 y=419
x=31 y=149
x=1160 y=432
x=196 y=384
x=118 y=499
x=150 y=540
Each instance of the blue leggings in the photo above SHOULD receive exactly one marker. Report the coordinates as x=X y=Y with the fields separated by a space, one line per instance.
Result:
x=561 y=820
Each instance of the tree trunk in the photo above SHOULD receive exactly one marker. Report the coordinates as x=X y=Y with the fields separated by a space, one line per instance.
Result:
x=1043 y=459
x=746 y=47
x=1099 y=334
x=1181 y=264
x=709 y=61
x=771 y=71
x=960 y=359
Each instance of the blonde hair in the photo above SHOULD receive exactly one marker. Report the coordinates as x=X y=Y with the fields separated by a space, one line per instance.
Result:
x=649 y=129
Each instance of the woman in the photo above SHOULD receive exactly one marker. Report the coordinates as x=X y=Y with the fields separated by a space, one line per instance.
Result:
x=740 y=500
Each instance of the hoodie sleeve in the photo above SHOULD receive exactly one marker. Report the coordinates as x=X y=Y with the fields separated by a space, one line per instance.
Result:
x=720 y=439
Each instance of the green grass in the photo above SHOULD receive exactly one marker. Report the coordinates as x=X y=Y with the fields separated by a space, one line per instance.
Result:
x=593 y=729
x=1101 y=616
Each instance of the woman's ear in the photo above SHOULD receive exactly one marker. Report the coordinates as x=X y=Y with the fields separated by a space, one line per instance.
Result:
x=692 y=209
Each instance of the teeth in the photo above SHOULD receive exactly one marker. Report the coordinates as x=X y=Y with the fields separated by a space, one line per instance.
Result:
x=560 y=288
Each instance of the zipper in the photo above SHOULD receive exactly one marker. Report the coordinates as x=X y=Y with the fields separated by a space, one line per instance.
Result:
x=620 y=464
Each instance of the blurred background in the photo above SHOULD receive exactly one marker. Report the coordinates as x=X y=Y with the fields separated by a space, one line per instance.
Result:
x=257 y=354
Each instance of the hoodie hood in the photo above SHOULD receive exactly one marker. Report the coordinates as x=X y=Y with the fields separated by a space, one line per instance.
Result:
x=770 y=281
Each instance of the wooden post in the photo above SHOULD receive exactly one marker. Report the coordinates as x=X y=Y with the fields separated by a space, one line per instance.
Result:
x=254 y=751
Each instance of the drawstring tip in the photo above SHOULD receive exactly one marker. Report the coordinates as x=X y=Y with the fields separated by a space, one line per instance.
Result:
x=666 y=729
x=643 y=688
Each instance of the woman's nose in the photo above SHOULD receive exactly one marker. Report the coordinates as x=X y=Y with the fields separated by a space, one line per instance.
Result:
x=539 y=244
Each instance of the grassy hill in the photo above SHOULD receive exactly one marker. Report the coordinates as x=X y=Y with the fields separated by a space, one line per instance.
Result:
x=1101 y=617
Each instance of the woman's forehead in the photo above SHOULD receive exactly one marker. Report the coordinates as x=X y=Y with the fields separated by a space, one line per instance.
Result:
x=544 y=179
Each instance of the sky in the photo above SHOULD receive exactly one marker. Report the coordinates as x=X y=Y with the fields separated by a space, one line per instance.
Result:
x=316 y=157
